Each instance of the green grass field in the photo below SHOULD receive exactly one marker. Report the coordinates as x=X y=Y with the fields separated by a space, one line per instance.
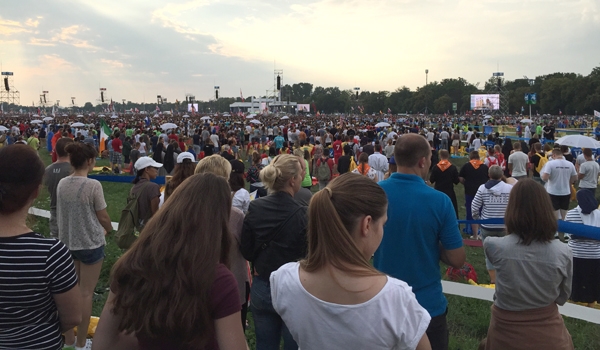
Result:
x=468 y=319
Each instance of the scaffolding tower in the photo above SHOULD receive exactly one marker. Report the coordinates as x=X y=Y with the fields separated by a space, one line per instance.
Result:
x=498 y=88
x=8 y=93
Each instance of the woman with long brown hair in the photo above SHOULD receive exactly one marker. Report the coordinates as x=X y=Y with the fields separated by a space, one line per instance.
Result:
x=335 y=289
x=172 y=288
x=183 y=169
x=533 y=275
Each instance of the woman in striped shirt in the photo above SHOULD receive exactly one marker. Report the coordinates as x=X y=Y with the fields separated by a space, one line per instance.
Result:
x=39 y=295
x=586 y=252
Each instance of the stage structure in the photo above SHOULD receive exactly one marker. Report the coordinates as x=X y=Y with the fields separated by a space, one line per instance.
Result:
x=498 y=88
x=8 y=93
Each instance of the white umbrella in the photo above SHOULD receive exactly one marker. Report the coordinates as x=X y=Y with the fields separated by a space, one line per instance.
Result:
x=167 y=126
x=255 y=121
x=77 y=125
x=526 y=120
x=205 y=118
x=285 y=117
x=226 y=115
x=114 y=116
x=48 y=118
x=487 y=117
x=35 y=115
x=579 y=141
x=3 y=128
x=185 y=116
x=80 y=116
x=64 y=115
x=156 y=116
x=250 y=116
x=381 y=124
x=101 y=115
x=36 y=121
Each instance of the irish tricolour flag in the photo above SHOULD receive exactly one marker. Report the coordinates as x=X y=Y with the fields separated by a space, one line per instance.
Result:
x=104 y=134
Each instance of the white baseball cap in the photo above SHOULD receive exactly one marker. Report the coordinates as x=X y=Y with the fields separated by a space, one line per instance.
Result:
x=145 y=162
x=185 y=155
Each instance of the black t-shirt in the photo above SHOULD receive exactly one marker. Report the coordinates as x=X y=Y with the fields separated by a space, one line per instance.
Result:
x=196 y=139
x=343 y=164
x=473 y=177
x=369 y=149
x=535 y=160
x=569 y=157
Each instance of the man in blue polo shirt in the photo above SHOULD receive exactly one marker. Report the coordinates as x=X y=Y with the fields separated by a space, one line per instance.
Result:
x=421 y=230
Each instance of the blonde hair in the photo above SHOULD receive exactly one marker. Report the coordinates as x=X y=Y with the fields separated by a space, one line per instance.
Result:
x=333 y=216
x=214 y=164
x=283 y=168
x=299 y=153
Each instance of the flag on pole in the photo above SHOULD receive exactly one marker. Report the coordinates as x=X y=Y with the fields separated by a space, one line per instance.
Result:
x=389 y=111
x=242 y=95
x=104 y=134
x=559 y=112
x=596 y=114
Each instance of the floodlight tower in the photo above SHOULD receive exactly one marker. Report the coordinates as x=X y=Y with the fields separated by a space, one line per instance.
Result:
x=498 y=88
x=426 y=73
x=8 y=93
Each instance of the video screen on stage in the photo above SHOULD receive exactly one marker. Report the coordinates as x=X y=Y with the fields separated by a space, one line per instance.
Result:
x=487 y=101
x=303 y=107
x=190 y=107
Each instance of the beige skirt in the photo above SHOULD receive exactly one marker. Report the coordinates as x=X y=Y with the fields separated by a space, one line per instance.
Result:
x=541 y=328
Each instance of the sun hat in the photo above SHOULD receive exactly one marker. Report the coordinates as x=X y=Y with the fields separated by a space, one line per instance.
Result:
x=185 y=155
x=145 y=162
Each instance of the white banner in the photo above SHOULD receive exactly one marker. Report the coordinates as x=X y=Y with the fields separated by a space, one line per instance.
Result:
x=596 y=114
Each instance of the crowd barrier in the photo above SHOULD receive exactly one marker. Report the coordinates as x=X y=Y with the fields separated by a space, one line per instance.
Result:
x=586 y=231
x=460 y=289
x=124 y=179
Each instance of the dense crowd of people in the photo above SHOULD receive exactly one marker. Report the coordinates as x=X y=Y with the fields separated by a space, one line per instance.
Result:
x=206 y=245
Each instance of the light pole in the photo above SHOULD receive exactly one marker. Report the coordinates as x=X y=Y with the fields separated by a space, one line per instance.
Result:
x=426 y=73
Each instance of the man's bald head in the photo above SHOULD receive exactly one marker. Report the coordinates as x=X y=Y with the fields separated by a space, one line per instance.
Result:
x=409 y=149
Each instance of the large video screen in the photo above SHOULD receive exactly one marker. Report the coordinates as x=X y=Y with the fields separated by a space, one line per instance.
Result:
x=303 y=107
x=190 y=107
x=489 y=102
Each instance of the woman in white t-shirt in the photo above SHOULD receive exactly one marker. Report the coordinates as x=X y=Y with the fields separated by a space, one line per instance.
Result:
x=241 y=196
x=142 y=149
x=335 y=299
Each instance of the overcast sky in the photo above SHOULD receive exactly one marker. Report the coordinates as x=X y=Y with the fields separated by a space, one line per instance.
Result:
x=140 y=49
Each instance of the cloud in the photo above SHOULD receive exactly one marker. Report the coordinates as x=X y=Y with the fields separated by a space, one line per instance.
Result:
x=67 y=36
x=32 y=23
x=40 y=42
x=8 y=27
x=115 y=63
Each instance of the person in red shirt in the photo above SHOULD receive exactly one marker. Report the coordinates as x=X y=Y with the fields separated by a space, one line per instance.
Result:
x=55 y=138
x=173 y=136
x=117 y=146
x=337 y=149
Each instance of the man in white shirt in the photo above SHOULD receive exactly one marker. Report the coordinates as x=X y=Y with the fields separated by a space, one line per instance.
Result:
x=517 y=162
x=559 y=174
x=588 y=172
x=379 y=162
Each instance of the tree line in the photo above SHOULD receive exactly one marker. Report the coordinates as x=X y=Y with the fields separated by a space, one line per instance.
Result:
x=566 y=93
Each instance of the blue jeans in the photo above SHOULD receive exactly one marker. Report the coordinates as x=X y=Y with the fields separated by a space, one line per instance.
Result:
x=268 y=325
